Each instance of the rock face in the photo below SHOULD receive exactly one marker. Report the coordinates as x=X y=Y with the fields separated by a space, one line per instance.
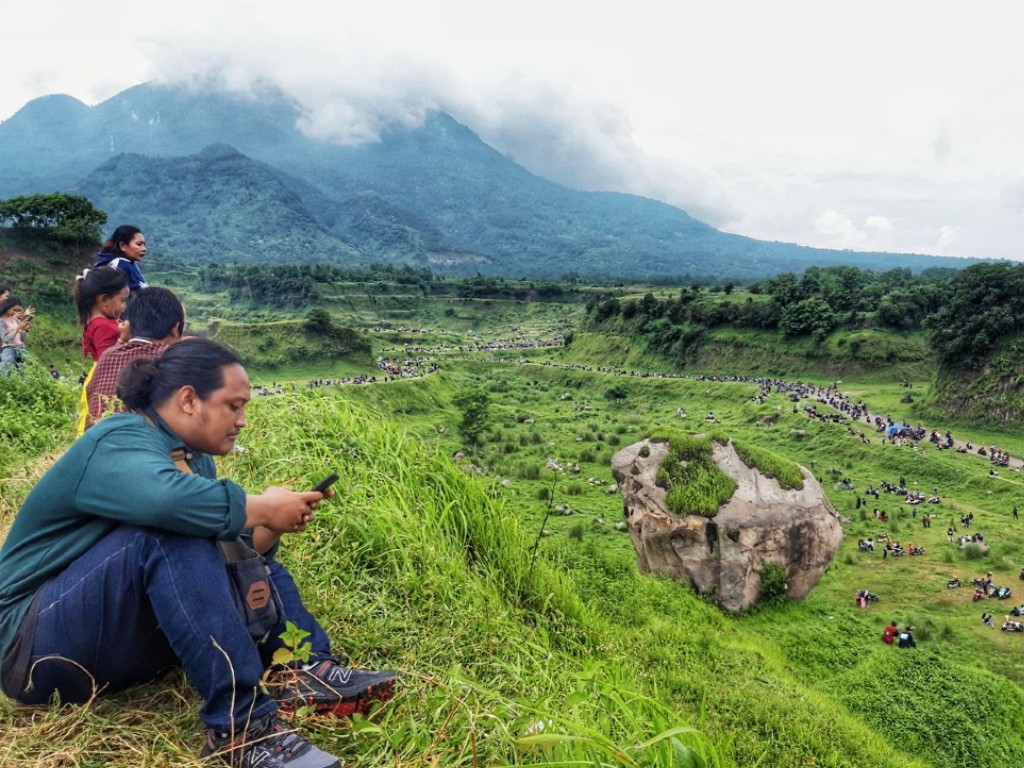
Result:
x=762 y=522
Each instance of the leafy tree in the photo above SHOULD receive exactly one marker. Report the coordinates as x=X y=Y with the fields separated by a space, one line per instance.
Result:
x=318 y=321
x=785 y=289
x=68 y=217
x=985 y=305
x=809 y=316
x=474 y=405
x=843 y=288
x=649 y=306
x=607 y=309
x=617 y=393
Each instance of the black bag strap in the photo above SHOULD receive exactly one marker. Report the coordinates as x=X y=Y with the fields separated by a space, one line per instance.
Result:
x=233 y=550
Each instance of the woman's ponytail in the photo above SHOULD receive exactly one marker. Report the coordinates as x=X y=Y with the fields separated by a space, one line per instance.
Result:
x=135 y=385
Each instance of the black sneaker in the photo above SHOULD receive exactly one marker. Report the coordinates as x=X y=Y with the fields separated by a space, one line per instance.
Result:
x=330 y=688
x=270 y=743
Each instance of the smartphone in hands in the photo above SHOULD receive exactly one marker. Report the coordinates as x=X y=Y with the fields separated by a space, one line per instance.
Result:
x=326 y=483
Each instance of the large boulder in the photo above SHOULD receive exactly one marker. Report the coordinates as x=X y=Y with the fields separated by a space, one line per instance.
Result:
x=722 y=555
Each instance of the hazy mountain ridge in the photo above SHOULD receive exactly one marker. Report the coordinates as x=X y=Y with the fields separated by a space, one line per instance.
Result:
x=230 y=205
x=418 y=195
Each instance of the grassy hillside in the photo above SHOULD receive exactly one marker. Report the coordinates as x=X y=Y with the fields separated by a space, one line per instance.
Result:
x=884 y=355
x=500 y=588
x=291 y=342
x=416 y=565
x=993 y=392
x=422 y=565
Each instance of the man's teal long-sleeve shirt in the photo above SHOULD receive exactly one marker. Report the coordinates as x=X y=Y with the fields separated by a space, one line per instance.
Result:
x=119 y=472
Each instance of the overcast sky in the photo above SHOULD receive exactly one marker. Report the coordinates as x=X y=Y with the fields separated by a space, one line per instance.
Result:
x=895 y=125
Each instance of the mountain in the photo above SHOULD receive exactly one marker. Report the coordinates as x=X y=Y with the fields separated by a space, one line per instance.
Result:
x=229 y=204
x=216 y=177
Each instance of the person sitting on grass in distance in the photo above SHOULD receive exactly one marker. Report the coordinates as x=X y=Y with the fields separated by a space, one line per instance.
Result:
x=156 y=319
x=907 y=638
x=111 y=571
x=889 y=633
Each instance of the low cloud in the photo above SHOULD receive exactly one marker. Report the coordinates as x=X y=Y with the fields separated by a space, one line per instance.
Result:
x=838 y=230
x=945 y=241
x=1012 y=195
x=561 y=135
x=879 y=223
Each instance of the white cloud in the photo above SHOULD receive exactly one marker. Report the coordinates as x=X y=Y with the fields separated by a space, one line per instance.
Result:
x=943 y=143
x=831 y=222
x=754 y=117
x=946 y=240
x=1012 y=195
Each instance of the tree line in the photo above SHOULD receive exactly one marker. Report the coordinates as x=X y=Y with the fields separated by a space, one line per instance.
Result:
x=966 y=312
x=269 y=283
x=262 y=283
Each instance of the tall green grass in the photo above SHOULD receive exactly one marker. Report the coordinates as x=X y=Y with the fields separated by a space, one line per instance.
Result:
x=424 y=564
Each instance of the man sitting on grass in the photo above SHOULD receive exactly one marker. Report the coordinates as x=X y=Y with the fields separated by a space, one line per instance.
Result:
x=112 y=571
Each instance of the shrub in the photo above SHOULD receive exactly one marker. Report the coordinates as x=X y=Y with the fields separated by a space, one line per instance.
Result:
x=574 y=488
x=616 y=394
x=973 y=552
x=529 y=471
x=36 y=413
x=773 y=585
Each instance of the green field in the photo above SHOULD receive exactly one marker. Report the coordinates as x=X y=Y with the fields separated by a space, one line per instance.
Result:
x=503 y=592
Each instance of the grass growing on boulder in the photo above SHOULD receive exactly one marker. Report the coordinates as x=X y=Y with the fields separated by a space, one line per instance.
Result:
x=695 y=484
x=771 y=464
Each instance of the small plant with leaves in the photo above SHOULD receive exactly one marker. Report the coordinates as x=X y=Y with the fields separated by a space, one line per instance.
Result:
x=295 y=649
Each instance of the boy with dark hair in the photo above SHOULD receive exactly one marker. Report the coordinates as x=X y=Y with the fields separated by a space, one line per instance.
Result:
x=156 y=319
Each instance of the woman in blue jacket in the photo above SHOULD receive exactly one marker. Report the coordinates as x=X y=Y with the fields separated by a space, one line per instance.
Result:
x=124 y=250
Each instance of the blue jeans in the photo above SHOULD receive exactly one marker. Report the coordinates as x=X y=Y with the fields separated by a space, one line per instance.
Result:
x=9 y=357
x=143 y=600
